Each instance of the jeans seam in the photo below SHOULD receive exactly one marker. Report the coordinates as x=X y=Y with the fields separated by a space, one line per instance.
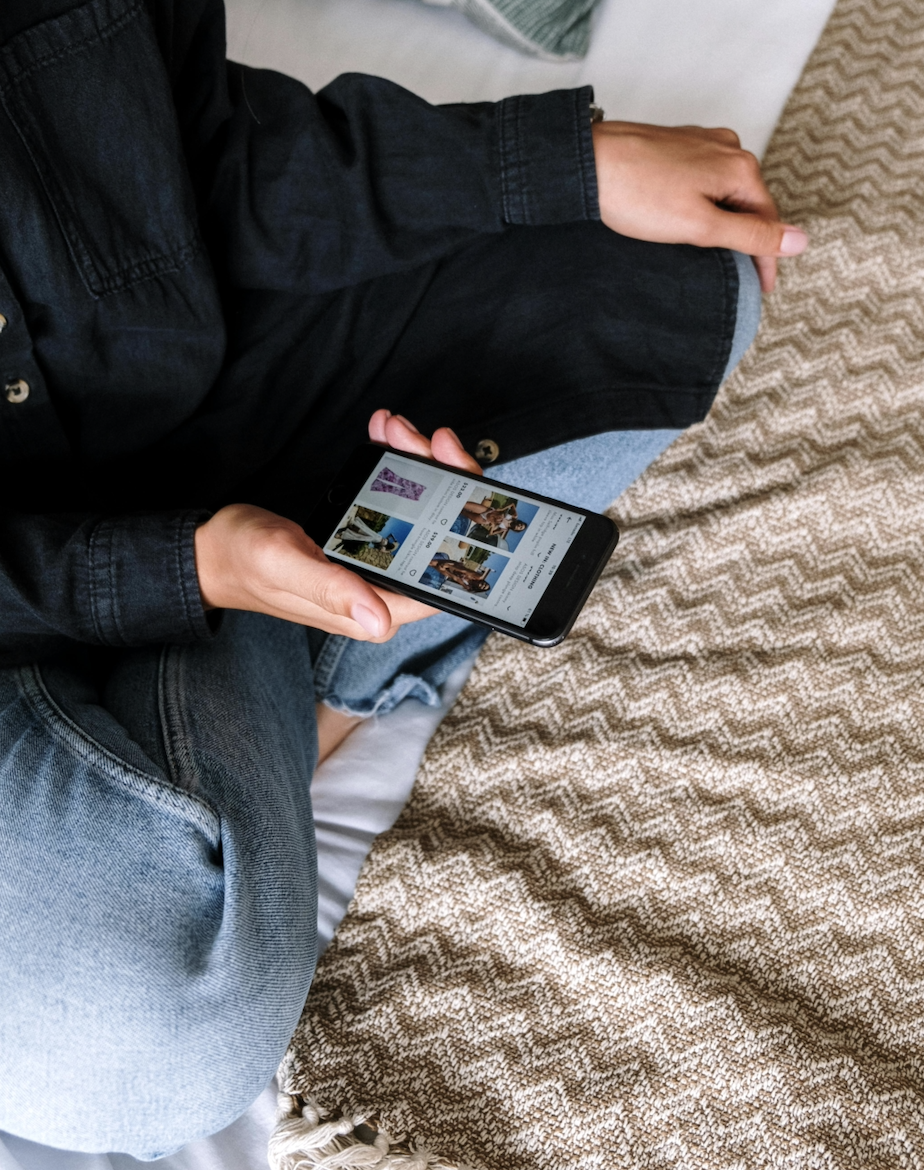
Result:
x=141 y=784
x=175 y=735
x=511 y=164
x=96 y=606
x=727 y=340
x=328 y=660
x=585 y=153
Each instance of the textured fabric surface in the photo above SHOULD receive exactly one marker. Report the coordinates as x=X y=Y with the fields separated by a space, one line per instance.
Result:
x=656 y=899
x=557 y=30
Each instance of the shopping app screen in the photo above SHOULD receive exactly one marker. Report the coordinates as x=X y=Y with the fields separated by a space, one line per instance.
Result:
x=488 y=548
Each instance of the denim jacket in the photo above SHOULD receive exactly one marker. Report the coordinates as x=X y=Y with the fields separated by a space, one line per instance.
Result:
x=144 y=179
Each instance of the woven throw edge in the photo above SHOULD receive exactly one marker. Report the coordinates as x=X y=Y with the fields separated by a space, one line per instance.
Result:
x=307 y=1136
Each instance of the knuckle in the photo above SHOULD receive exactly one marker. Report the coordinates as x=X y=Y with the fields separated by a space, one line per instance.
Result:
x=332 y=588
x=273 y=542
x=725 y=134
x=762 y=236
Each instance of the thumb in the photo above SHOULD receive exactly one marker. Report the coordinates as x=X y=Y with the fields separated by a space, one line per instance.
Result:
x=754 y=235
x=338 y=591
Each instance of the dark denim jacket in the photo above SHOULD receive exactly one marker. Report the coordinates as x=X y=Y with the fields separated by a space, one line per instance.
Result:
x=144 y=179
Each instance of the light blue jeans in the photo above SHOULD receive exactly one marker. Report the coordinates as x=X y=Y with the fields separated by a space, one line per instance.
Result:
x=157 y=863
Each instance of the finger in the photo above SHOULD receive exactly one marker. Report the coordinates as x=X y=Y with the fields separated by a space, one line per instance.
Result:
x=743 y=187
x=403 y=437
x=725 y=136
x=752 y=234
x=377 y=425
x=404 y=609
x=447 y=448
x=766 y=270
x=342 y=594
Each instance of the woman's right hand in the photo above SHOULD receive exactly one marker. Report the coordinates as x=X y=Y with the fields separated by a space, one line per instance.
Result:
x=248 y=558
x=251 y=559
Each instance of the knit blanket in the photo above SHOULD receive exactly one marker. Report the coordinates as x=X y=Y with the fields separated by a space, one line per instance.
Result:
x=657 y=899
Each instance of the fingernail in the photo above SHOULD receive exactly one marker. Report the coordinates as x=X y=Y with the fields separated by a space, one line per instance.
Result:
x=454 y=435
x=367 y=619
x=410 y=426
x=794 y=241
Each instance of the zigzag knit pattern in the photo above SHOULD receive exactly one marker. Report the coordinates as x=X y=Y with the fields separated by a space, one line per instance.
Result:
x=658 y=896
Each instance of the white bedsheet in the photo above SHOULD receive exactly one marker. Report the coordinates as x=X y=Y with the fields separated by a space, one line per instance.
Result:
x=711 y=62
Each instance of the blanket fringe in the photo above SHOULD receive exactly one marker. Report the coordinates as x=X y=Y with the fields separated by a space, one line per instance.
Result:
x=308 y=1138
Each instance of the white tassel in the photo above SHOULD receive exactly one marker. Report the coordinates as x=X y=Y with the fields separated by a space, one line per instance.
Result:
x=306 y=1139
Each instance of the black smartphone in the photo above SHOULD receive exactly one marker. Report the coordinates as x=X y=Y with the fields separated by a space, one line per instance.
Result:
x=517 y=562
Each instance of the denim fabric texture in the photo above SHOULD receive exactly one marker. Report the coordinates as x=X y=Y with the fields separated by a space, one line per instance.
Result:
x=151 y=196
x=212 y=276
x=158 y=902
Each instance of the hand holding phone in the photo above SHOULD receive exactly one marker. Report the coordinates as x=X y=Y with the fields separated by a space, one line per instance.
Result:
x=251 y=559
x=520 y=563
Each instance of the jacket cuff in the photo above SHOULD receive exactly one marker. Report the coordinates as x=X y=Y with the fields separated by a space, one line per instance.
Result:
x=143 y=583
x=548 y=174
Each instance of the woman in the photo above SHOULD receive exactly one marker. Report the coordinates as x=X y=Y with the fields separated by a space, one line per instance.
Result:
x=357 y=534
x=471 y=580
x=212 y=284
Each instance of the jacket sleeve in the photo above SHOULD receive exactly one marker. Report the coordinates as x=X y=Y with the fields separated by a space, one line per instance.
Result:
x=312 y=193
x=107 y=581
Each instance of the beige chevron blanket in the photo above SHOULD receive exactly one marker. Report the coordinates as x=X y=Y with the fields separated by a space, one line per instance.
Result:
x=658 y=896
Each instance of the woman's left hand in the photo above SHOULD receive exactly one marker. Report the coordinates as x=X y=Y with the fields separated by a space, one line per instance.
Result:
x=444 y=447
x=688 y=185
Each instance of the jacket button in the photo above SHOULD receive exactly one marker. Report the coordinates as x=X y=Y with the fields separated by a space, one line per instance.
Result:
x=486 y=451
x=3 y=322
x=17 y=391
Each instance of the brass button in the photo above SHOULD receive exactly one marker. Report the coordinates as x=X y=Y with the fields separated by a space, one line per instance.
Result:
x=17 y=391
x=3 y=322
x=486 y=451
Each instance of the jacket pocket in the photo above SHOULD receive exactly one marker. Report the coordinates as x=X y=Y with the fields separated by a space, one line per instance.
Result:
x=89 y=97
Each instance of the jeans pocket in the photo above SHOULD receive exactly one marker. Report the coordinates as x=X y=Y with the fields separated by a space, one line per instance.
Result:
x=104 y=759
x=89 y=96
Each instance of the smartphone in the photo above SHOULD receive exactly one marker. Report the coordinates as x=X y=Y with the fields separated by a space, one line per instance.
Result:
x=517 y=562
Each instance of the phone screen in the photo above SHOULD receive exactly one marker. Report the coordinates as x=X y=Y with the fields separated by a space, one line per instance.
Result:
x=451 y=534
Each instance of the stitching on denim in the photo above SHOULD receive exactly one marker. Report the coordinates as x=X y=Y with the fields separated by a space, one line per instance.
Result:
x=586 y=165
x=83 y=261
x=503 y=160
x=100 y=34
x=175 y=734
x=329 y=660
x=178 y=801
x=145 y=267
x=726 y=262
x=515 y=194
x=93 y=586
x=114 y=610
x=181 y=576
x=525 y=209
x=579 y=153
x=149 y=267
x=98 y=285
